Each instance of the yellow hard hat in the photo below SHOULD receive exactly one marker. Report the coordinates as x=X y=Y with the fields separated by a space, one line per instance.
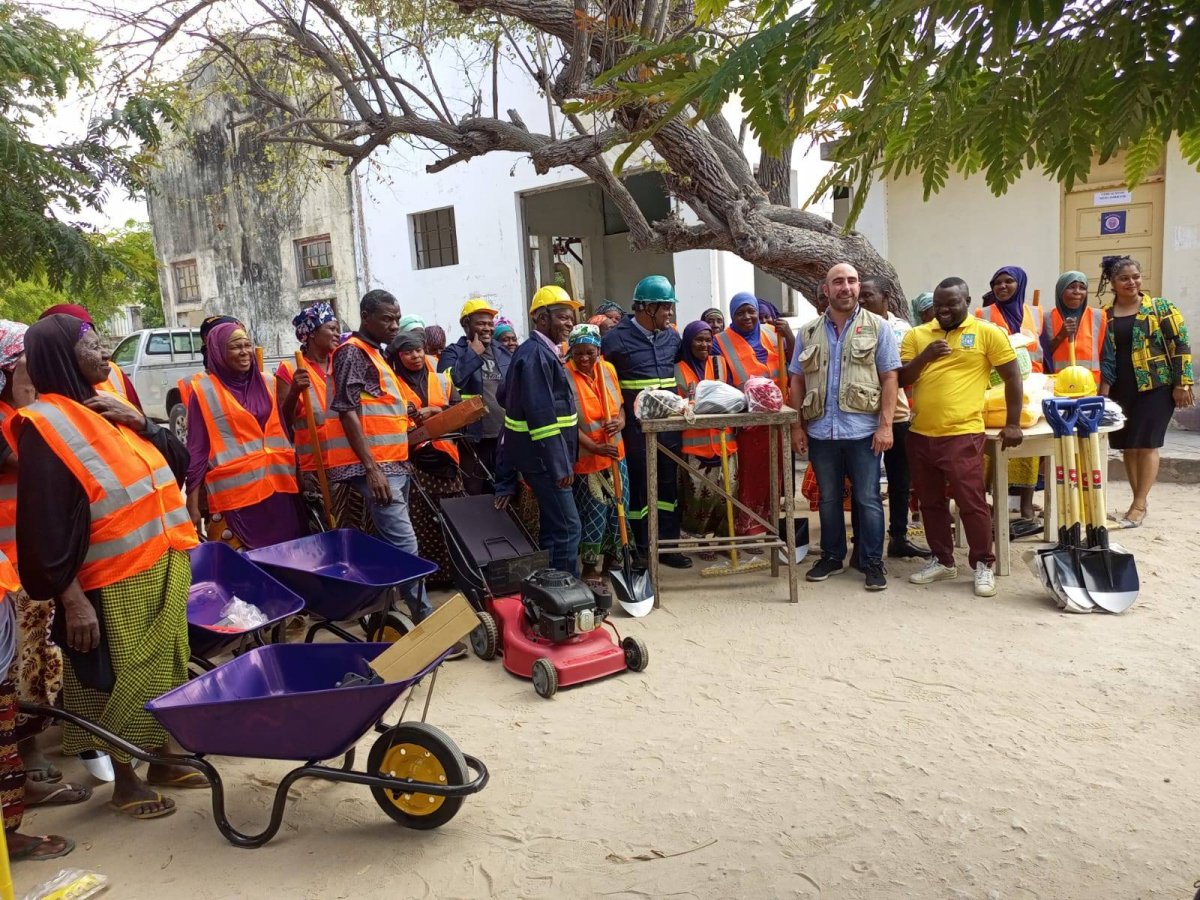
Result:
x=477 y=305
x=552 y=295
x=1074 y=382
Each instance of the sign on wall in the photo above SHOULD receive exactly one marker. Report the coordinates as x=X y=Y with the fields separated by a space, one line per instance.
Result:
x=1111 y=198
x=1113 y=222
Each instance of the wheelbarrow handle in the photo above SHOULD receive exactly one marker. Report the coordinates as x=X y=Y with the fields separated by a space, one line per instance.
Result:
x=1090 y=410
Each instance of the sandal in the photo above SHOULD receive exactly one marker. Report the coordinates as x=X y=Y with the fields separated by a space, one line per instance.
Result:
x=598 y=586
x=48 y=773
x=192 y=779
x=42 y=842
x=1127 y=522
x=136 y=809
x=65 y=794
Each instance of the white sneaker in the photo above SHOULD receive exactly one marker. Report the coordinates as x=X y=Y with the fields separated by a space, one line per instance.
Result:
x=985 y=580
x=933 y=571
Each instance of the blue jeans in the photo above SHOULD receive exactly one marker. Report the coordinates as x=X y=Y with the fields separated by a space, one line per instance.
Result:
x=560 y=530
x=833 y=462
x=392 y=522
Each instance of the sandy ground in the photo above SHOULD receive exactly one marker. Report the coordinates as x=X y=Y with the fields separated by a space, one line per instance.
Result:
x=917 y=743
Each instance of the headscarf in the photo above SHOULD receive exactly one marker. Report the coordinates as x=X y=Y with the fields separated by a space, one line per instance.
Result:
x=417 y=380
x=921 y=302
x=310 y=319
x=69 y=309
x=50 y=357
x=503 y=328
x=608 y=306
x=1064 y=281
x=767 y=310
x=586 y=333
x=248 y=388
x=435 y=339
x=686 y=356
x=206 y=328
x=598 y=320
x=408 y=323
x=753 y=338
x=12 y=345
x=1013 y=309
x=712 y=309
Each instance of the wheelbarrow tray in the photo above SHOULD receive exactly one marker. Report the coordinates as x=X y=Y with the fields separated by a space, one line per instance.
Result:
x=280 y=702
x=219 y=573
x=341 y=574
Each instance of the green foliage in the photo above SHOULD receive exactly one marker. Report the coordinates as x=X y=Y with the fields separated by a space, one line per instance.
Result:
x=40 y=183
x=131 y=281
x=932 y=88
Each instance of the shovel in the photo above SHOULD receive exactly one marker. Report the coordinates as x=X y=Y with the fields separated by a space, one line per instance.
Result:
x=1110 y=575
x=1062 y=562
x=633 y=591
x=1036 y=557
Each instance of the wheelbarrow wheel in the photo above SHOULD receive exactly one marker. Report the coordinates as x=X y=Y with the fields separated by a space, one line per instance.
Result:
x=485 y=639
x=545 y=679
x=637 y=657
x=388 y=628
x=422 y=753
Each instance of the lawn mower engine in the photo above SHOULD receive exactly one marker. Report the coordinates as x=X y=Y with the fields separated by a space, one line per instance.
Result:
x=559 y=606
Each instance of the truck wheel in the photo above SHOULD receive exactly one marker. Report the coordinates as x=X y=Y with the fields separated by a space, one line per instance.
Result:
x=177 y=418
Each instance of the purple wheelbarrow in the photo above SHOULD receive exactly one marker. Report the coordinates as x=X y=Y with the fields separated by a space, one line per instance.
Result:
x=282 y=701
x=219 y=574
x=345 y=575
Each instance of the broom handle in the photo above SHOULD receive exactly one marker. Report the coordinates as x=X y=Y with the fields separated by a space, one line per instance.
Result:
x=728 y=503
x=1072 y=480
x=1099 y=507
x=310 y=399
x=1060 y=484
x=1085 y=485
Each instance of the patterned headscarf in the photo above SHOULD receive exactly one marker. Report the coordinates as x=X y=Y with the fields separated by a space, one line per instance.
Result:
x=12 y=347
x=608 y=307
x=921 y=302
x=435 y=339
x=584 y=334
x=310 y=319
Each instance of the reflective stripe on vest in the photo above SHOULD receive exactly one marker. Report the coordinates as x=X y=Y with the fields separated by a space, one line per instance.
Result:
x=1088 y=340
x=546 y=431
x=8 y=500
x=136 y=509
x=591 y=408
x=247 y=463
x=185 y=389
x=437 y=389
x=1031 y=327
x=115 y=382
x=704 y=442
x=643 y=384
x=743 y=363
x=384 y=419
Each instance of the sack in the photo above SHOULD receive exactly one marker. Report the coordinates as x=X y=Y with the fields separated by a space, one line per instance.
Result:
x=714 y=397
x=1024 y=360
x=658 y=404
x=995 y=407
x=763 y=395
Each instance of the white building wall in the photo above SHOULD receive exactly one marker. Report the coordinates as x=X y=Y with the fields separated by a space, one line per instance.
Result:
x=1181 y=237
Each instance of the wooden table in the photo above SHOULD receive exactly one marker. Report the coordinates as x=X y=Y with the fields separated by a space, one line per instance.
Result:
x=780 y=425
x=1040 y=442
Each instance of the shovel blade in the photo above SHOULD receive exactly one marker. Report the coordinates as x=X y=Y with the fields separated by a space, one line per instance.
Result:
x=1111 y=579
x=635 y=595
x=1066 y=571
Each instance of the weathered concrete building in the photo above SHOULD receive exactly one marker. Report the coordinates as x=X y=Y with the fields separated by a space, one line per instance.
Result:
x=237 y=233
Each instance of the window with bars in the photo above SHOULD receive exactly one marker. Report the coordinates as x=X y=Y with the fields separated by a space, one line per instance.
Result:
x=187 y=281
x=315 y=258
x=435 y=239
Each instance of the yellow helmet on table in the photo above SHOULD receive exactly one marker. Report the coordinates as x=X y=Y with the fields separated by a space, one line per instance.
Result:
x=552 y=295
x=1074 y=382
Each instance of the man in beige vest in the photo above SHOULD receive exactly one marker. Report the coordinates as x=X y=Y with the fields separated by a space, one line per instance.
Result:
x=843 y=379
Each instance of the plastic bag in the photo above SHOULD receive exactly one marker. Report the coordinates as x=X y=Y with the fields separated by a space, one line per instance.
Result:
x=658 y=404
x=763 y=395
x=714 y=397
x=69 y=884
x=242 y=616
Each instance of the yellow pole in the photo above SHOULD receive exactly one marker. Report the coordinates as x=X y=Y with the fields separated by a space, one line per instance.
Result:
x=6 y=882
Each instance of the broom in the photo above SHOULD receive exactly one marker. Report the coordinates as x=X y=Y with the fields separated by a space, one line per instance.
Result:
x=732 y=567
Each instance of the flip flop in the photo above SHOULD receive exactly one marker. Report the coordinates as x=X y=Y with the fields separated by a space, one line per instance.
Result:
x=70 y=794
x=130 y=808
x=31 y=852
x=191 y=779
x=51 y=774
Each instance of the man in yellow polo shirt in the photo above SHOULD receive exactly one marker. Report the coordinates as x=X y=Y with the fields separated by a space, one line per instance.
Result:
x=948 y=362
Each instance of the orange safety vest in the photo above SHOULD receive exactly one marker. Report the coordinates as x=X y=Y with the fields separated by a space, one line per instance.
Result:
x=743 y=363
x=247 y=462
x=114 y=383
x=704 y=442
x=185 y=388
x=8 y=499
x=1089 y=338
x=590 y=404
x=137 y=510
x=305 y=455
x=384 y=418
x=8 y=576
x=1031 y=327
x=438 y=390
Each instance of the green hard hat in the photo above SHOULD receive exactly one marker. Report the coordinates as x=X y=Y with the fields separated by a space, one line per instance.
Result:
x=654 y=289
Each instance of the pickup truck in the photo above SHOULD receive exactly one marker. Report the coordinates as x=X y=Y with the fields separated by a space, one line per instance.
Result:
x=155 y=360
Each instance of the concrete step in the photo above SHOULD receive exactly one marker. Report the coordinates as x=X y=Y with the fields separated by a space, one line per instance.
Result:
x=1180 y=459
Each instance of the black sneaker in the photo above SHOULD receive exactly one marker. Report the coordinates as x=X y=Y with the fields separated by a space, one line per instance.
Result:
x=876 y=576
x=676 y=560
x=825 y=567
x=903 y=548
